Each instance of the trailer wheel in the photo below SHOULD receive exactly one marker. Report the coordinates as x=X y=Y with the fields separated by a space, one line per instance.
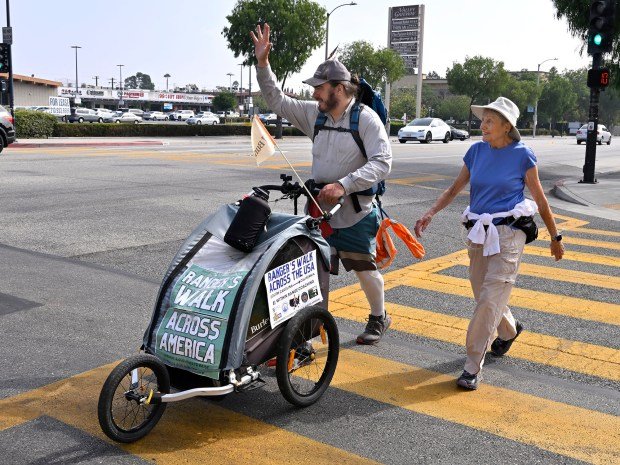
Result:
x=125 y=413
x=307 y=356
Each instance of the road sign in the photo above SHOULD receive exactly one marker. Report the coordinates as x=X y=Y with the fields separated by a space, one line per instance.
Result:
x=7 y=35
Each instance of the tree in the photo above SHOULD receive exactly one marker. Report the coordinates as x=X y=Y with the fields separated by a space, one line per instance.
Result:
x=454 y=107
x=558 y=100
x=577 y=14
x=523 y=92
x=260 y=104
x=402 y=101
x=297 y=29
x=433 y=75
x=480 y=78
x=139 y=81
x=375 y=66
x=225 y=101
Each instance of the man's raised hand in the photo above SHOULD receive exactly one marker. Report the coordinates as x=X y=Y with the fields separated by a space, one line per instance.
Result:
x=262 y=46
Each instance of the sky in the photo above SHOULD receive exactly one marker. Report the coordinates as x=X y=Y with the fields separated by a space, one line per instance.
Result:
x=184 y=37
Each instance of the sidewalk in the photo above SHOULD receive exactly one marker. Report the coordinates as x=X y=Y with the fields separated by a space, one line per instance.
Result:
x=599 y=199
x=86 y=142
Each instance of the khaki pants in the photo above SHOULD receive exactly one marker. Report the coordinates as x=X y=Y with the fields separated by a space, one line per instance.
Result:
x=492 y=279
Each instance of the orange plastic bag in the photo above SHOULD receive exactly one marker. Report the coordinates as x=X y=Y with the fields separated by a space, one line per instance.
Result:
x=386 y=251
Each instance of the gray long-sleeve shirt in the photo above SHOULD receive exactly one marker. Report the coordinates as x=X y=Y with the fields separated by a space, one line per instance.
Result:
x=335 y=155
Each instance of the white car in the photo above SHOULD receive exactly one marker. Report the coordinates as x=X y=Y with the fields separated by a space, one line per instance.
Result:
x=181 y=115
x=425 y=130
x=204 y=118
x=123 y=117
x=104 y=112
x=602 y=134
x=155 y=116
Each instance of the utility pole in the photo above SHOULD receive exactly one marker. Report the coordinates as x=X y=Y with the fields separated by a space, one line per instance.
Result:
x=10 y=43
x=111 y=80
x=96 y=78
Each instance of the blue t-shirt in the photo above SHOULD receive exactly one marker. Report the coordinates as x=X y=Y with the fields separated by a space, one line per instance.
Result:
x=497 y=176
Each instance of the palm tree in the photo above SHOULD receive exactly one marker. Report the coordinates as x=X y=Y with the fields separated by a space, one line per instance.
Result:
x=166 y=76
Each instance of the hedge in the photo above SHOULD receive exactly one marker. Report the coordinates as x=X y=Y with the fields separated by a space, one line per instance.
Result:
x=159 y=130
x=34 y=124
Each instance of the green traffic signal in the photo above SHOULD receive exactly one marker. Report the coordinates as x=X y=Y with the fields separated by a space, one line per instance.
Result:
x=597 y=39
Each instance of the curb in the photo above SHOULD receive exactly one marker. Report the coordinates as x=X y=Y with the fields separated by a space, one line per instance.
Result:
x=34 y=145
x=563 y=193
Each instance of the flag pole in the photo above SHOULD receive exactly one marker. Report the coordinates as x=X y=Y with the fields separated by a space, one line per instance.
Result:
x=300 y=180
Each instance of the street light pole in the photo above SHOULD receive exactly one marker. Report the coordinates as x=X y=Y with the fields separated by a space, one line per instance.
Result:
x=77 y=95
x=166 y=76
x=230 y=75
x=327 y=26
x=120 y=85
x=241 y=88
x=536 y=104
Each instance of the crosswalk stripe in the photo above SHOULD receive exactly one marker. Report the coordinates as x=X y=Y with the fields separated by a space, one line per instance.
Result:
x=544 y=236
x=189 y=432
x=585 y=257
x=574 y=307
x=580 y=357
x=600 y=232
x=570 y=276
x=560 y=428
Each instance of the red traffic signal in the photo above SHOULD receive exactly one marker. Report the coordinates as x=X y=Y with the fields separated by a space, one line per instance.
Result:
x=598 y=78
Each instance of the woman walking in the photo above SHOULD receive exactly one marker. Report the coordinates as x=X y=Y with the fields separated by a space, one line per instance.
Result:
x=499 y=221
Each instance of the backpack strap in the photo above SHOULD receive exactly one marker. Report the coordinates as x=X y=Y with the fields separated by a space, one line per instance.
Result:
x=354 y=129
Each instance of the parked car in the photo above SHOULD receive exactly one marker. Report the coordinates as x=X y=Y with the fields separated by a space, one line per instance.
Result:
x=425 y=130
x=460 y=134
x=228 y=114
x=81 y=115
x=123 y=117
x=155 y=116
x=181 y=115
x=602 y=134
x=272 y=118
x=7 y=128
x=104 y=112
x=135 y=111
x=204 y=118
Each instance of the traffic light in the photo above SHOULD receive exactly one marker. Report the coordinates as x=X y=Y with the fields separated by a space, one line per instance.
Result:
x=4 y=58
x=598 y=78
x=601 y=30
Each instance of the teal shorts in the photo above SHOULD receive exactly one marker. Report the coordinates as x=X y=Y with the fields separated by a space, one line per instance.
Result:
x=356 y=245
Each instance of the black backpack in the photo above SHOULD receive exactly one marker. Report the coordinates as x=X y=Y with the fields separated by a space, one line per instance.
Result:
x=367 y=97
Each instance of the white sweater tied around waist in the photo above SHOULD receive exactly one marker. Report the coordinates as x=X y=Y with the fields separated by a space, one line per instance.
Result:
x=490 y=237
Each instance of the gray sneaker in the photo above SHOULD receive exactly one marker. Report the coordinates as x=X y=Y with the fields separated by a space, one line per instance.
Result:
x=468 y=381
x=375 y=328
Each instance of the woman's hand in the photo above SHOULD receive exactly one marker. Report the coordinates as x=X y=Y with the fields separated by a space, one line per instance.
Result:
x=262 y=46
x=422 y=224
x=557 y=250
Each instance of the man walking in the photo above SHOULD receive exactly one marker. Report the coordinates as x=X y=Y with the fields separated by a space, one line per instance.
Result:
x=339 y=164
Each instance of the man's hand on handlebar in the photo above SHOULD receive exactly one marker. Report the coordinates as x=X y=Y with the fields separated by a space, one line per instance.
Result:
x=331 y=193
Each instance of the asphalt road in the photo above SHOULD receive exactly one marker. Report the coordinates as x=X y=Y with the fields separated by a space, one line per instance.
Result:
x=87 y=233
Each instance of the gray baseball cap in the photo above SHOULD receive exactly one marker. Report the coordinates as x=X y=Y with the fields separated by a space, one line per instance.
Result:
x=329 y=70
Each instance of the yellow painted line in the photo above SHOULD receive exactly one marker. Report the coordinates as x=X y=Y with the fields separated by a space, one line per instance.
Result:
x=416 y=179
x=191 y=431
x=585 y=309
x=600 y=232
x=559 y=428
x=544 y=236
x=570 y=276
x=580 y=357
x=586 y=257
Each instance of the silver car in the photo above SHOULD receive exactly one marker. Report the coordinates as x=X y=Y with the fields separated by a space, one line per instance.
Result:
x=123 y=117
x=602 y=134
x=204 y=118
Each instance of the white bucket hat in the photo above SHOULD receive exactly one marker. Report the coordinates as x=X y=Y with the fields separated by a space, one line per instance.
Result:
x=506 y=108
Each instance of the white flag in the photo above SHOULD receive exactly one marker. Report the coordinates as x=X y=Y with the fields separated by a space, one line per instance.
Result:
x=263 y=144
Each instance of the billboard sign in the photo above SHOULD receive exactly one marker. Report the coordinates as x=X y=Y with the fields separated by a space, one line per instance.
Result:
x=405 y=33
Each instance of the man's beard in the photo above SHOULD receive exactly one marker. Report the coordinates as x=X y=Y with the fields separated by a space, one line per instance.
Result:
x=328 y=105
